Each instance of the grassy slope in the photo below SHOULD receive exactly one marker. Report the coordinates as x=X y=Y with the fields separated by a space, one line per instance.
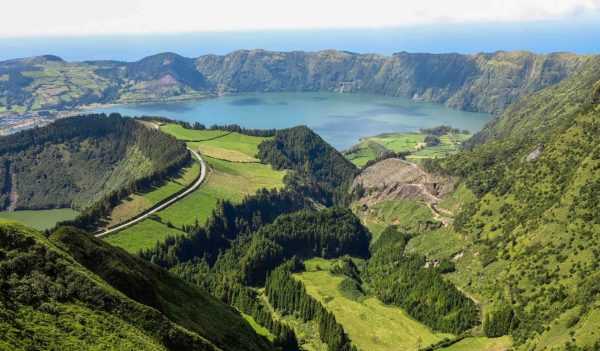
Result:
x=73 y=324
x=372 y=147
x=534 y=234
x=408 y=214
x=180 y=301
x=147 y=198
x=370 y=324
x=481 y=343
x=228 y=179
x=142 y=236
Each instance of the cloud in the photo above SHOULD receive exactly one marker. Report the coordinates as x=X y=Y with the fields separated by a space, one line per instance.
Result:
x=70 y=17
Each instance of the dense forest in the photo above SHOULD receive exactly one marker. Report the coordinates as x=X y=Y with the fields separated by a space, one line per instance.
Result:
x=401 y=279
x=75 y=162
x=290 y=297
x=320 y=171
x=252 y=256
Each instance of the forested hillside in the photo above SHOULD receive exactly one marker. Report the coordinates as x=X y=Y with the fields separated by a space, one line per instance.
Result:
x=478 y=82
x=535 y=222
x=320 y=171
x=84 y=161
x=71 y=291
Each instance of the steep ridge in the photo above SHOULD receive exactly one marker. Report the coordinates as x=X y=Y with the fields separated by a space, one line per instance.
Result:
x=536 y=221
x=479 y=82
x=72 y=291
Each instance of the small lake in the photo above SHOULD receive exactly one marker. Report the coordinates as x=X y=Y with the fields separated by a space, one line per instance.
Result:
x=341 y=119
x=40 y=219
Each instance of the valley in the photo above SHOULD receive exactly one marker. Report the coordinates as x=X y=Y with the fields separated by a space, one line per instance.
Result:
x=423 y=236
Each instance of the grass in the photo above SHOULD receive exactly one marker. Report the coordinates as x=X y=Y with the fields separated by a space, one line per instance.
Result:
x=408 y=215
x=259 y=329
x=233 y=147
x=179 y=132
x=142 y=201
x=370 y=324
x=481 y=344
x=372 y=147
x=141 y=236
x=40 y=219
x=72 y=327
x=227 y=181
x=307 y=333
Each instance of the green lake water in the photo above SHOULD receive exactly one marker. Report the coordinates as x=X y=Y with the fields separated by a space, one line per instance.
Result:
x=40 y=219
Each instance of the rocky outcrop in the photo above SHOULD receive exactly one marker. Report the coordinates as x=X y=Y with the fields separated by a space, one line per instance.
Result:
x=393 y=179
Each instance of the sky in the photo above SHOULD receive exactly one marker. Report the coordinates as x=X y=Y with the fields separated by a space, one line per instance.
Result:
x=129 y=30
x=25 y=18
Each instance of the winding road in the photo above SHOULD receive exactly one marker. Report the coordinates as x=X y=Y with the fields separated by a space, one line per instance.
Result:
x=162 y=206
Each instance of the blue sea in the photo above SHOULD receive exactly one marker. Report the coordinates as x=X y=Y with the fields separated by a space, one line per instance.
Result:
x=574 y=35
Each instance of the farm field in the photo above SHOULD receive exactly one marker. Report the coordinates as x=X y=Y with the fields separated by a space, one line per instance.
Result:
x=228 y=178
x=179 y=132
x=142 y=201
x=372 y=147
x=226 y=181
x=141 y=236
x=370 y=324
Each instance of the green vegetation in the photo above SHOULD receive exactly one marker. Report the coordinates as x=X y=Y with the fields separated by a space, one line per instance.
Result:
x=233 y=147
x=259 y=329
x=404 y=280
x=533 y=225
x=409 y=215
x=142 y=235
x=182 y=133
x=86 y=162
x=319 y=171
x=480 y=344
x=414 y=145
x=226 y=181
x=40 y=219
x=370 y=324
x=479 y=82
x=290 y=297
x=71 y=290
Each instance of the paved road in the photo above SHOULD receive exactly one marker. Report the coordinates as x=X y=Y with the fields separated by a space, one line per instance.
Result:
x=163 y=205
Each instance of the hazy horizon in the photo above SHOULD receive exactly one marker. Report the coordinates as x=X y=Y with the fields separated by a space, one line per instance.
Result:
x=466 y=38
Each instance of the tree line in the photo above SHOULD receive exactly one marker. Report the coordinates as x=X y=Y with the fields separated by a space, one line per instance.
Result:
x=83 y=162
x=319 y=170
x=401 y=279
x=289 y=296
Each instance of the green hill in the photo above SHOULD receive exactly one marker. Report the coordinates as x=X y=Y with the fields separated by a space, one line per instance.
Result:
x=72 y=291
x=534 y=225
x=75 y=162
